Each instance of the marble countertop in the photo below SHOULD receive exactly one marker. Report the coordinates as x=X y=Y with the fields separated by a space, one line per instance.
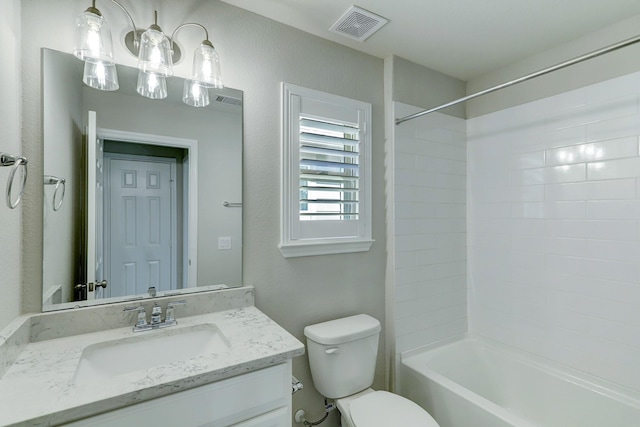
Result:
x=38 y=389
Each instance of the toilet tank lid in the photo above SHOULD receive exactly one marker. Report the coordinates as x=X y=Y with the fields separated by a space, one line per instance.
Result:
x=343 y=330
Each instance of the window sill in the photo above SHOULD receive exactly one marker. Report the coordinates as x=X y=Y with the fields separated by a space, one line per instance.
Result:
x=311 y=248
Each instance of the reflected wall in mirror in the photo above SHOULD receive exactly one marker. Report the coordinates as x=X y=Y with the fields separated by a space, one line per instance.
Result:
x=141 y=193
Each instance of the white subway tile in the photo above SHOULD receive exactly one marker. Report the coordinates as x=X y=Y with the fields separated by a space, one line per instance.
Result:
x=405 y=160
x=529 y=160
x=614 y=169
x=414 y=307
x=593 y=152
x=613 y=209
x=613 y=128
x=609 y=290
x=418 y=290
x=615 y=250
x=447 y=240
x=603 y=269
x=566 y=136
x=450 y=210
x=527 y=193
x=405 y=260
x=441 y=135
x=450 y=269
x=413 y=324
x=404 y=226
x=415 y=274
x=592 y=229
x=455 y=327
x=594 y=190
x=565 y=173
x=450 y=181
x=415 y=243
x=528 y=210
x=417 y=339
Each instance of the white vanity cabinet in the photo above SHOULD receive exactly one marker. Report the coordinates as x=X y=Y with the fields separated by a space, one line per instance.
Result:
x=259 y=398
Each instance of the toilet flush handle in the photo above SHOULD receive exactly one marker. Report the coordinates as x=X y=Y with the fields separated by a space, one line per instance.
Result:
x=331 y=350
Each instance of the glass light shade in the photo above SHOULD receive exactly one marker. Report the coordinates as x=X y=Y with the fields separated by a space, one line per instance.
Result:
x=93 y=38
x=100 y=76
x=206 y=66
x=152 y=85
x=155 y=53
x=194 y=94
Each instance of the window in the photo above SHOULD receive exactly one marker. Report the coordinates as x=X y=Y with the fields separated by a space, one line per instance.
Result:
x=326 y=176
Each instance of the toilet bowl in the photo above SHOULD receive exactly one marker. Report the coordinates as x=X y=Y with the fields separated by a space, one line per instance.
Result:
x=342 y=356
x=372 y=408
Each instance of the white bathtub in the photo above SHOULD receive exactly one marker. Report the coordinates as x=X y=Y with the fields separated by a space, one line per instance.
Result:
x=476 y=383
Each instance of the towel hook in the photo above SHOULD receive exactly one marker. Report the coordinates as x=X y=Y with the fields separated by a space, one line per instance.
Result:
x=15 y=162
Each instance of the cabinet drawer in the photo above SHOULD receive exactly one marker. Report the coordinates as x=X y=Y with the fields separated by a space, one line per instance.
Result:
x=218 y=404
x=277 y=418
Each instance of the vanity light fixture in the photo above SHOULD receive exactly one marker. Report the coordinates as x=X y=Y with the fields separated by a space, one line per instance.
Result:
x=156 y=55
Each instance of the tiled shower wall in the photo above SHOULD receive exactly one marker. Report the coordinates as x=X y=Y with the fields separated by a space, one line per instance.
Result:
x=554 y=228
x=430 y=228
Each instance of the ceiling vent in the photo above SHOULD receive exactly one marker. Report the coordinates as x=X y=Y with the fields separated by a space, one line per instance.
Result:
x=358 y=24
x=228 y=100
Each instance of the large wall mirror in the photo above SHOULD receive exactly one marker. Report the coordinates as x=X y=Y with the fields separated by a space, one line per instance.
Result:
x=141 y=196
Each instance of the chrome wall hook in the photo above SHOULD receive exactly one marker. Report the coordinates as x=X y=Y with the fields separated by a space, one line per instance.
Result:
x=15 y=162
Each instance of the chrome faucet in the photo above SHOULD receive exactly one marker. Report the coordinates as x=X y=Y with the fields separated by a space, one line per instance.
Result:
x=156 y=316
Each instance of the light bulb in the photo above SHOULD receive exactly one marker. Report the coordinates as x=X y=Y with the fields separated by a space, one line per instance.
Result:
x=194 y=94
x=151 y=85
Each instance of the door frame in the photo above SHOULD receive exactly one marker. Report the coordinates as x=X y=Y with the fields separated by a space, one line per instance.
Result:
x=191 y=145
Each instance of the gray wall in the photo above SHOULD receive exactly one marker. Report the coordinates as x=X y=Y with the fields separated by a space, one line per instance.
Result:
x=257 y=54
x=10 y=116
x=63 y=154
x=423 y=87
x=614 y=64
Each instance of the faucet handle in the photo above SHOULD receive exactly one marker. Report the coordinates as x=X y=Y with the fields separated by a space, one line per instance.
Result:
x=142 y=314
x=170 y=317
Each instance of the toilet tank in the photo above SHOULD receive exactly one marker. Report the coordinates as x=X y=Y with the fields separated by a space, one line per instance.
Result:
x=342 y=354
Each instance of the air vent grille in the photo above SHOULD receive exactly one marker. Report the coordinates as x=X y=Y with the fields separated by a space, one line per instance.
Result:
x=228 y=100
x=358 y=24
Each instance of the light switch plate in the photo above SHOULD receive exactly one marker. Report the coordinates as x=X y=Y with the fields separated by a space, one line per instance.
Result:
x=224 y=243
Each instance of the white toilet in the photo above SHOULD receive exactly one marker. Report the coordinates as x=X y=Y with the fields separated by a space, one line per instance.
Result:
x=342 y=356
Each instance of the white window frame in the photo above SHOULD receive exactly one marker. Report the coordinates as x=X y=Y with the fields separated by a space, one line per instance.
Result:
x=291 y=242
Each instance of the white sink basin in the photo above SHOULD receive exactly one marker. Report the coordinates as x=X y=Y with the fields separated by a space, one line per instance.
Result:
x=148 y=349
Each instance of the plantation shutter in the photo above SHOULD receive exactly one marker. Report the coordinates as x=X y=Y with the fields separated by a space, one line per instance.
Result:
x=326 y=171
x=329 y=170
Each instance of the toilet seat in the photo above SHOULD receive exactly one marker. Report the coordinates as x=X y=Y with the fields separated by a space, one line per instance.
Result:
x=384 y=409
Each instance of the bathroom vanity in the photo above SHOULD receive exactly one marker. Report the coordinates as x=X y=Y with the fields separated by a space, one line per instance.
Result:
x=225 y=364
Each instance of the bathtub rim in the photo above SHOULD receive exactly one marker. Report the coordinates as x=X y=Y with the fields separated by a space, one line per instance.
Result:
x=618 y=392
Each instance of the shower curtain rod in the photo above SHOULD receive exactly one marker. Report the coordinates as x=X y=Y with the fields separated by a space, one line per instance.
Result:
x=539 y=73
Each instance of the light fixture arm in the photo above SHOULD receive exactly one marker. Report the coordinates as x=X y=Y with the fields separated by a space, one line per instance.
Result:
x=136 y=40
x=187 y=24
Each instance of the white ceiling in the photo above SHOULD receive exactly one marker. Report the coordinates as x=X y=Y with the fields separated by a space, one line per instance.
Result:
x=462 y=38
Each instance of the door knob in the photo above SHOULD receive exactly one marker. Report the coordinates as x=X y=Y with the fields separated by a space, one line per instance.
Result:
x=97 y=285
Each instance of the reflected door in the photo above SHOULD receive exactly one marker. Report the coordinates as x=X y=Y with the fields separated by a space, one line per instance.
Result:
x=141 y=220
